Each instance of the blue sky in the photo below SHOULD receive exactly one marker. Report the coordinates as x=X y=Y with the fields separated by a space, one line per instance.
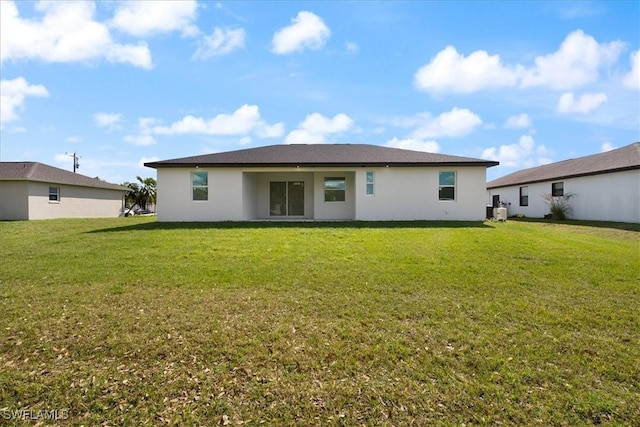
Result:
x=122 y=82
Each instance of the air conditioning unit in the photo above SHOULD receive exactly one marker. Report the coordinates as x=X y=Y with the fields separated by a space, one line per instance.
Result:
x=501 y=214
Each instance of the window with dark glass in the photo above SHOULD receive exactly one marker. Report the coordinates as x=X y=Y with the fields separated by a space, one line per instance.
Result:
x=54 y=194
x=286 y=198
x=334 y=189
x=524 y=196
x=557 y=189
x=447 y=186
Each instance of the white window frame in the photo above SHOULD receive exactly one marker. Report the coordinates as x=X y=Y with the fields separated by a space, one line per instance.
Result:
x=369 y=184
x=344 y=190
x=205 y=187
x=442 y=186
x=55 y=194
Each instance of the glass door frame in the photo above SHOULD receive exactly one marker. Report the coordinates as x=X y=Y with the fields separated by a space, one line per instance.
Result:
x=283 y=206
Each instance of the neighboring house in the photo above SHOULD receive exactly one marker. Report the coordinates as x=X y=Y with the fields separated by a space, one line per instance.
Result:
x=321 y=182
x=32 y=190
x=604 y=187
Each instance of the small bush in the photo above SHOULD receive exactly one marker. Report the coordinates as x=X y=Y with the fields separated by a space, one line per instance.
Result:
x=559 y=207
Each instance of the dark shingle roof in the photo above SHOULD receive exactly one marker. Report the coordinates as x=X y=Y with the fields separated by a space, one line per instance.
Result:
x=625 y=158
x=321 y=155
x=34 y=171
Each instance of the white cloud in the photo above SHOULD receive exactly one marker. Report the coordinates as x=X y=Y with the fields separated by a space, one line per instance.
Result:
x=632 y=80
x=67 y=32
x=241 y=122
x=144 y=135
x=141 y=139
x=220 y=42
x=581 y=10
x=520 y=121
x=144 y=160
x=13 y=94
x=270 y=131
x=138 y=55
x=607 y=146
x=586 y=103
x=351 y=48
x=301 y=136
x=13 y=129
x=414 y=144
x=525 y=153
x=141 y=18
x=315 y=128
x=223 y=124
x=317 y=123
x=307 y=30
x=577 y=62
x=107 y=119
x=450 y=71
x=457 y=122
x=63 y=159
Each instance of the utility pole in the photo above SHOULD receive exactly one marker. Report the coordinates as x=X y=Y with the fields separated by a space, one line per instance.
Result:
x=76 y=164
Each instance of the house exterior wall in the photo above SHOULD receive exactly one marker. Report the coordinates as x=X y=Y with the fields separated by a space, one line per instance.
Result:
x=250 y=196
x=75 y=202
x=22 y=200
x=14 y=200
x=604 y=197
x=175 y=201
x=400 y=193
x=411 y=193
x=334 y=210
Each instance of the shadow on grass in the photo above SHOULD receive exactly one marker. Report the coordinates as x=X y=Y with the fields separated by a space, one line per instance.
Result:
x=626 y=226
x=222 y=225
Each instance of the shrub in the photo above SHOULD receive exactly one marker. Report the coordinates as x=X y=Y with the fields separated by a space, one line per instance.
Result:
x=559 y=207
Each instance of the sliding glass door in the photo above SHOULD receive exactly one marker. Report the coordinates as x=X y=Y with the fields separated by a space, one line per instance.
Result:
x=286 y=198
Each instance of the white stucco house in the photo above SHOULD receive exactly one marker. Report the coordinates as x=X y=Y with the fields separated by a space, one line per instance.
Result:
x=604 y=187
x=321 y=182
x=32 y=190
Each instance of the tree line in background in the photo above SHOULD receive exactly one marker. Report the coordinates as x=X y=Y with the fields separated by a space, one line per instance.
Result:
x=142 y=194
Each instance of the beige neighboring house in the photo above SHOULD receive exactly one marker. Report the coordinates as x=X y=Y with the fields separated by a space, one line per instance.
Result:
x=604 y=187
x=32 y=190
x=321 y=182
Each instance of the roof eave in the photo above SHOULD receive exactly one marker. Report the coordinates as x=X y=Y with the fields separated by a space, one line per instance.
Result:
x=158 y=165
x=115 y=187
x=556 y=178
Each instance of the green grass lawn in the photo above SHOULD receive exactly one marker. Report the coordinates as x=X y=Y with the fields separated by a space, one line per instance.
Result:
x=127 y=321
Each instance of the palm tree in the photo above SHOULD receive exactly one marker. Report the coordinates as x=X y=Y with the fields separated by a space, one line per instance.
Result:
x=131 y=198
x=147 y=192
x=142 y=194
